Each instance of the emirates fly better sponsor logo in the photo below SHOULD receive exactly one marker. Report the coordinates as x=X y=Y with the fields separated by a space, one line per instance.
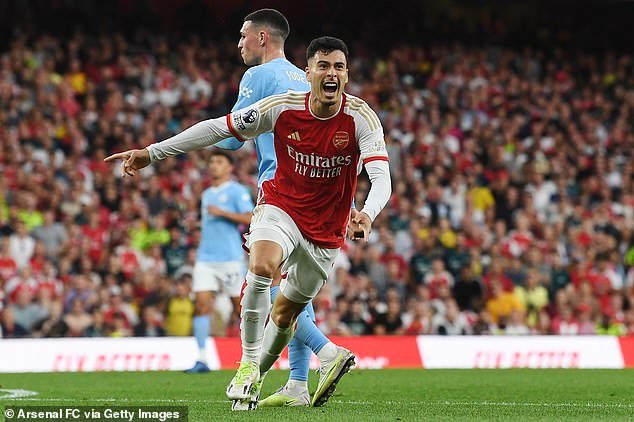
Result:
x=312 y=165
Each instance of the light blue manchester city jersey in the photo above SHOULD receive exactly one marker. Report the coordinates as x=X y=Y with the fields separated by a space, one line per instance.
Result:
x=221 y=240
x=275 y=77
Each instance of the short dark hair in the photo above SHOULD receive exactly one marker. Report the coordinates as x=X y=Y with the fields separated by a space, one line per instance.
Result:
x=326 y=45
x=222 y=153
x=272 y=18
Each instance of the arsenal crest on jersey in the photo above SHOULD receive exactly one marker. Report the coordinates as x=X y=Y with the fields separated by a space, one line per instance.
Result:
x=341 y=139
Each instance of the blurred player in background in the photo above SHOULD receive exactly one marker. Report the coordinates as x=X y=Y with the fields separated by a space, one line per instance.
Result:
x=261 y=45
x=225 y=205
x=321 y=139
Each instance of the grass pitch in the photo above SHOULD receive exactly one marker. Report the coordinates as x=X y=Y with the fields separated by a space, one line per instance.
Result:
x=362 y=395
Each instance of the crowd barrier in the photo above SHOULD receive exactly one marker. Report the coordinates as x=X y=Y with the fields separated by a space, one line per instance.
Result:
x=373 y=352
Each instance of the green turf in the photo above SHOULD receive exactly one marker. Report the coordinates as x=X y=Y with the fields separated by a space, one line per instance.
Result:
x=373 y=395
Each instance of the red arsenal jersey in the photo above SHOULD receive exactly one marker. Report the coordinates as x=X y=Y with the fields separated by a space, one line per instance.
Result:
x=318 y=159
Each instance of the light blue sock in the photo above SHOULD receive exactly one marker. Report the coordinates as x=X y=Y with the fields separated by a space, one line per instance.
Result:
x=307 y=331
x=201 y=332
x=298 y=360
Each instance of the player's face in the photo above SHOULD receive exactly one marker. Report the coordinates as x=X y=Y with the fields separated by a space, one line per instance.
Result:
x=328 y=75
x=219 y=167
x=250 y=44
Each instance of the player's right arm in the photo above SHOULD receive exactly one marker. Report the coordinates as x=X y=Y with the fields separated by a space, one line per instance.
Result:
x=253 y=87
x=241 y=207
x=375 y=160
x=243 y=124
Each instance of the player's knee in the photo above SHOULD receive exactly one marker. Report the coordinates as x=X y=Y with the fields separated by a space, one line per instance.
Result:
x=202 y=308
x=263 y=268
x=203 y=304
x=282 y=319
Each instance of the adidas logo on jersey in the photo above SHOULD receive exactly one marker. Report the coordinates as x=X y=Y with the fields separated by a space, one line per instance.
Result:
x=294 y=136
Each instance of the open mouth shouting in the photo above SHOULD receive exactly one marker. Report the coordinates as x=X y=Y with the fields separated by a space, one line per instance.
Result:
x=330 y=88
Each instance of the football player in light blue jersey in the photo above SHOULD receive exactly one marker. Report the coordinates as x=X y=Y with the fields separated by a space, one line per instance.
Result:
x=224 y=206
x=267 y=78
x=261 y=46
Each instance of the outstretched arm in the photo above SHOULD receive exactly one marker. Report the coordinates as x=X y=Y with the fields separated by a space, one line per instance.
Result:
x=198 y=136
x=243 y=124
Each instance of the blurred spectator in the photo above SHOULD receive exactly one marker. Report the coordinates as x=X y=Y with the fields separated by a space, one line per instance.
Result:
x=26 y=313
x=54 y=325
x=119 y=313
x=565 y=323
x=468 y=290
x=333 y=326
x=502 y=303
x=175 y=252
x=356 y=319
x=8 y=266
x=180 y=309
x=97 y=328
x=452 y=322
x=150 y=324
x=484 y=324
x=11 y=329
x=437 y=277
x=77 y=320
x=388 y=322
x=418 y=320
x=515 y=325
x=53 y=234
x=21 y=245
x=533 y=297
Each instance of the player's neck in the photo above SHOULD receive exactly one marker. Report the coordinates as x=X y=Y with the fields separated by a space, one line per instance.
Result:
x=322 y=110
x=219 y=182
x=272 y=54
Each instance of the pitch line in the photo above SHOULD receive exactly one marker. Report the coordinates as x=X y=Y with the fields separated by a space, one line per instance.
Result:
x=15 y=393
x=345 y=402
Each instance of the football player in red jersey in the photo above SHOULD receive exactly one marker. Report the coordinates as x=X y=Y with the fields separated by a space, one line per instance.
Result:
x=300 y=222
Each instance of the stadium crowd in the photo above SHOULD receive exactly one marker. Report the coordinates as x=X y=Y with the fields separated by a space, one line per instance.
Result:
x=512 y=211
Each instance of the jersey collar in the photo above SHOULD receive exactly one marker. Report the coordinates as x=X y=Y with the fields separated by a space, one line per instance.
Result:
x=343 y=100
x=220 y=186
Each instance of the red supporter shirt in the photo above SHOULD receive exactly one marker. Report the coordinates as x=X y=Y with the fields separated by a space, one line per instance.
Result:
x=129 y=260
x=8 y=268
x=317 y=159
x=435 y=281
x=98 y=238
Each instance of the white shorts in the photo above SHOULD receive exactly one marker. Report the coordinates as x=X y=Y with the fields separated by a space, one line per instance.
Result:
x=307 y=265
x=214 y=276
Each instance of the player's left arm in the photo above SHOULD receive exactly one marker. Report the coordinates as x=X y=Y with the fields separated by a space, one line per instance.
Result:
x=375 y=159
x=234 y=217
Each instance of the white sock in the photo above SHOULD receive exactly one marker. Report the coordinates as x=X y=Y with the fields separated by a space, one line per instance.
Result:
x=256 y=302
x=328 y=352
x=275 y=340
x=202 y=355
x=296 y=387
